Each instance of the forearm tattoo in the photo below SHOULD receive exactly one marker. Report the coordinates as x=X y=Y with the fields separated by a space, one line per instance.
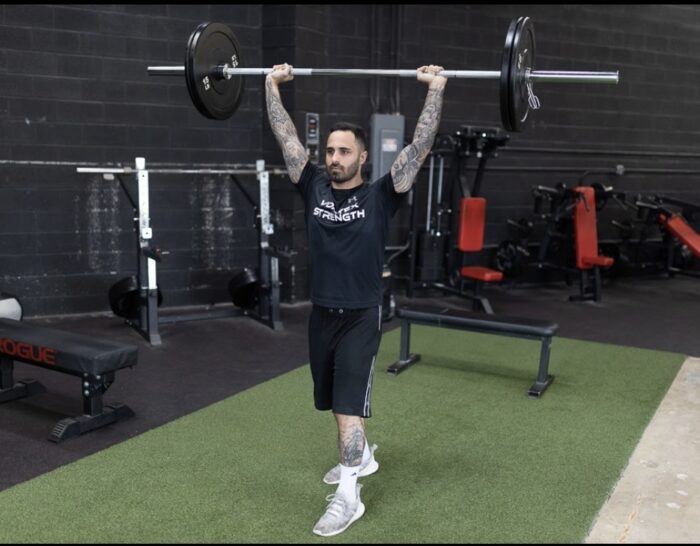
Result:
x=351 y=443
x=295 y=157
x=409 y=161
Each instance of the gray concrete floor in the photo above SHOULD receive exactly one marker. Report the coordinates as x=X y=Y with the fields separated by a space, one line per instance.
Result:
x=657 y=499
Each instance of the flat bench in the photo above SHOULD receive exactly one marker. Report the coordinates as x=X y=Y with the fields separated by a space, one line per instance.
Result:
x=476 y=322
x=95 y=361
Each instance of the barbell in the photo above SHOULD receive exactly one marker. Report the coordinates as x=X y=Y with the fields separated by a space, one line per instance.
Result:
x=214 y=73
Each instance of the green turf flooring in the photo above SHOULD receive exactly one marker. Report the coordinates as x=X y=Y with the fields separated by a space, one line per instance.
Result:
x=464 y=454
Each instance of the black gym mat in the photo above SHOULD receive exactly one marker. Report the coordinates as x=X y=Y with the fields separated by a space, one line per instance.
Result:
x=202 y=362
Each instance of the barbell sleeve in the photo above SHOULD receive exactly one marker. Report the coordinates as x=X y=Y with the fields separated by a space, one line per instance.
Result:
x=550 y=76
x=166 y=70
x=554 y=76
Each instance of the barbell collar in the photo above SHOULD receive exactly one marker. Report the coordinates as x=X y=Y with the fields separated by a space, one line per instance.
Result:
x=550 y=76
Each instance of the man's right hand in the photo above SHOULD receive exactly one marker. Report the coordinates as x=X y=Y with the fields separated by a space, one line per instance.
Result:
x=281 y=73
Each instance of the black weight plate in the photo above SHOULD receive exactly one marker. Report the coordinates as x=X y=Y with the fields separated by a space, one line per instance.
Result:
x=124 y=298
x=210 y=46
x=522 y=60
x=243 y=288
x=505 y=76
x=509 y=259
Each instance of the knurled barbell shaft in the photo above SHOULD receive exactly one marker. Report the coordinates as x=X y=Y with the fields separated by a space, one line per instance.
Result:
x=551 y=76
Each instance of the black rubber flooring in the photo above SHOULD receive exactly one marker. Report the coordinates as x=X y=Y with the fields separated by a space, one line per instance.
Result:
x=202 y=362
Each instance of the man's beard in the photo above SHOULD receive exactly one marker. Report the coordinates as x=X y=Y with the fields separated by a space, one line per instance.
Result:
x=340 y=176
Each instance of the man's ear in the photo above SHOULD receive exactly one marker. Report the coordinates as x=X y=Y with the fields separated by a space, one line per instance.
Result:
x=363 y=156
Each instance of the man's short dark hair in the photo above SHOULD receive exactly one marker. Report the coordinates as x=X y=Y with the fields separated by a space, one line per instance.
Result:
x=359 y=132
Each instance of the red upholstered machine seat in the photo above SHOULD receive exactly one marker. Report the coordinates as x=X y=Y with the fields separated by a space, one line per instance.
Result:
x=481 y=273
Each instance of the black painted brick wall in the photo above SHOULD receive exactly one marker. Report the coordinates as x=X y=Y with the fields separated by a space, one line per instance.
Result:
x=73 y=88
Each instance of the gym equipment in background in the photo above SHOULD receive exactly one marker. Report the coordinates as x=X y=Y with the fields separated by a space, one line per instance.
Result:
x=137 y=298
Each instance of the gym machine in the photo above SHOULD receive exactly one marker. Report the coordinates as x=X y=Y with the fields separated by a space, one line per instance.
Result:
x=544 y=241
x=660 y=238
x=566 y=222
x=437 y=254
x=138 y=297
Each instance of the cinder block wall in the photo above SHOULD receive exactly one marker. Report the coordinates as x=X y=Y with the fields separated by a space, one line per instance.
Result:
x=74 y=90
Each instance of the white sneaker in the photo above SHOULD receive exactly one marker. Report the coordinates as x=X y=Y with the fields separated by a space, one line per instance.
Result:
x=332 y=477
x=340 y=513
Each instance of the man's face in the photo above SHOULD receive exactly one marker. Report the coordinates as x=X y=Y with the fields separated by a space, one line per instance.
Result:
x=344 y=156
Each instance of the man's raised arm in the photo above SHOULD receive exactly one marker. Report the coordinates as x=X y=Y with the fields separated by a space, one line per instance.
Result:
x=408 y=163
x=295 y=156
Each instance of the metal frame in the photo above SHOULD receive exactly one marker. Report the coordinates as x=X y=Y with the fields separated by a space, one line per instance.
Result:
x=407 y=359
x=147 y=324
x=471 y=289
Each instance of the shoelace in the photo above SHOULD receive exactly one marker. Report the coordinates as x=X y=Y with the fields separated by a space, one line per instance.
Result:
x=335 y=506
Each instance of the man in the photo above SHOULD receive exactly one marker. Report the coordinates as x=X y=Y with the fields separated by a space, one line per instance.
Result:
x=347 y=222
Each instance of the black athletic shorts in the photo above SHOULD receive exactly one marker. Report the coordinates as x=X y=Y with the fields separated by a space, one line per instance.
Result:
x=343 y=345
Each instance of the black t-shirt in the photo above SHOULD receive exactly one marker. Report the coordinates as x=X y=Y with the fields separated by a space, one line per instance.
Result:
x=346 y=230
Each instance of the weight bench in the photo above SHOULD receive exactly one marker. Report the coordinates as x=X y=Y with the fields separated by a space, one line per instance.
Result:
x=476 y=322
x=95 y=361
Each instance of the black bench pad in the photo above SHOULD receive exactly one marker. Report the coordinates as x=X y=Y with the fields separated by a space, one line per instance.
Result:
x=94 y=360
x=447 y=317
x=72 y=353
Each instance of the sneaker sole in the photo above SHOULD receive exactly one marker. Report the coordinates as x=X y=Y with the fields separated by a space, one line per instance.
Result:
x=358 y=514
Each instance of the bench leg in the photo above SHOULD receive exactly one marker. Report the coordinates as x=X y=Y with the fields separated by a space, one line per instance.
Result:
x=95 y=414
x=9 y=390
x=543 y=377
x=406 y=359
x=590 y=283
x=75 y=426
x=597 y=282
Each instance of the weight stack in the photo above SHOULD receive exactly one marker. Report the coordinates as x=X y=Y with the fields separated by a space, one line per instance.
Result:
x=431 y=255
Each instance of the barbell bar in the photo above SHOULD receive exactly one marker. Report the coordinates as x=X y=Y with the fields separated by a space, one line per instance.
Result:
x=214 y=73
x=536 y=75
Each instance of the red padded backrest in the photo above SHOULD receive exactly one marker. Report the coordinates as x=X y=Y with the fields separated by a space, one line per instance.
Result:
x=472 y=217
x=585 y=228
x=682 y=230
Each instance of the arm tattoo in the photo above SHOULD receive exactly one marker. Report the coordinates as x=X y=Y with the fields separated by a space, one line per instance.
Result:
x=409 y=161
x=351 y=444
x=295 y=157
